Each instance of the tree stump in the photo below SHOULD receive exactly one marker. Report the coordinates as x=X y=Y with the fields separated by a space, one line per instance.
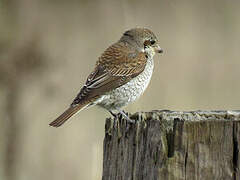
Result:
x=175 y=145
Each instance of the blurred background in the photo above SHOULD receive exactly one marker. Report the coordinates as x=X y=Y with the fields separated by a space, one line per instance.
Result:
x=48 y=48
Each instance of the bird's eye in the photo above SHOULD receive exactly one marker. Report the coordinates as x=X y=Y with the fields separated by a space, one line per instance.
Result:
x=152 y=42
x=148 y=43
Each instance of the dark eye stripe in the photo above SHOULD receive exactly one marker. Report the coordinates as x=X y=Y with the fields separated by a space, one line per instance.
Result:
x=152 y=42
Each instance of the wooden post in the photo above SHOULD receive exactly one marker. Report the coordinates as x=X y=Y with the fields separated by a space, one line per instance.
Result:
x=196 y=145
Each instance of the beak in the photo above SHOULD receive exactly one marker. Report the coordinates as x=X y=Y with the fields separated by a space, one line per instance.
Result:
x=158 y=49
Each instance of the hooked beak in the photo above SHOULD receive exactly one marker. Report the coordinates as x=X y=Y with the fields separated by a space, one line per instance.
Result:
x=158 y=49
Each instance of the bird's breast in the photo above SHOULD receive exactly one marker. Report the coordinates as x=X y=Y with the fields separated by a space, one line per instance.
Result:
x=129 y=92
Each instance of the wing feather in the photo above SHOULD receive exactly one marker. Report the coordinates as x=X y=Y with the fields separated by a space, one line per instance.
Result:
x=117 y=66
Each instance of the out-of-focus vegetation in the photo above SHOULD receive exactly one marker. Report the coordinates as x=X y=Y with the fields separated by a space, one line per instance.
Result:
x=47 y=49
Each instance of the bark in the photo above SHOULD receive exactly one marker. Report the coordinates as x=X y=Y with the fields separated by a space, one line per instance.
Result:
x=173 y=145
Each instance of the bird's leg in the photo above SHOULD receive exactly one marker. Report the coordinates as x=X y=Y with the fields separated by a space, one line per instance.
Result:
x=114 y=117
x=125 y=116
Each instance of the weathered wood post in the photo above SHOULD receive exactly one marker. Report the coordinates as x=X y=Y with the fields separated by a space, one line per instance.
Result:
x=196 y=145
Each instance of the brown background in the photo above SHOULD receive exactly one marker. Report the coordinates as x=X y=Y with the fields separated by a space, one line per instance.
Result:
x=47 y=49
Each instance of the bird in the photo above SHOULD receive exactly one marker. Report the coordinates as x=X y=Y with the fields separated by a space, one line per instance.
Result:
x=121 y=75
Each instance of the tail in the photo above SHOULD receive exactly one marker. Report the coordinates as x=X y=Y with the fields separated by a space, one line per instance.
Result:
x=66 y=115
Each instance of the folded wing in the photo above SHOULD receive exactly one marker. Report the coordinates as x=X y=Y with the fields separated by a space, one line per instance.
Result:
x=117 y=66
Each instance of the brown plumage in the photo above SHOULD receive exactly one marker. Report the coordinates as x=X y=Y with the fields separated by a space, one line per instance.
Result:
x=113 y=69
x=66 y=115
x=118 y=65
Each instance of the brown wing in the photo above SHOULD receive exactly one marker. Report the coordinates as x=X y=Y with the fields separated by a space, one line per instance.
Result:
x=117 y=66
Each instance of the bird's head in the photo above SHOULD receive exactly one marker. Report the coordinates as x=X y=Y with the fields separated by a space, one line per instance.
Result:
x=143 y=40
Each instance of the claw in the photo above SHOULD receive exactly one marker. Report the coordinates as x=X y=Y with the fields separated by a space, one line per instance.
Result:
x=126 y=116
x=123 y=114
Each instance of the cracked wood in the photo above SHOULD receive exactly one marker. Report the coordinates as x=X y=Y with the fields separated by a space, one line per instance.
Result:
x=173 y=145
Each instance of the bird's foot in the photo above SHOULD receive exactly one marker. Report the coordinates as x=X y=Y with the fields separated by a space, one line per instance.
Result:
x=125 y=116
x=121 y=115
x=114 y=118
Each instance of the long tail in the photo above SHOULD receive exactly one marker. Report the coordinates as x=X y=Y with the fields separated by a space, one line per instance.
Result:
x=66 y=115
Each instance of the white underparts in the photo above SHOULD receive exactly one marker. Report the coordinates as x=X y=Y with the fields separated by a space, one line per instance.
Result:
x=129 y=92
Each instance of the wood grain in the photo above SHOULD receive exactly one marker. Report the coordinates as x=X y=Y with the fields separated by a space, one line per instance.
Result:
x=197 y=145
